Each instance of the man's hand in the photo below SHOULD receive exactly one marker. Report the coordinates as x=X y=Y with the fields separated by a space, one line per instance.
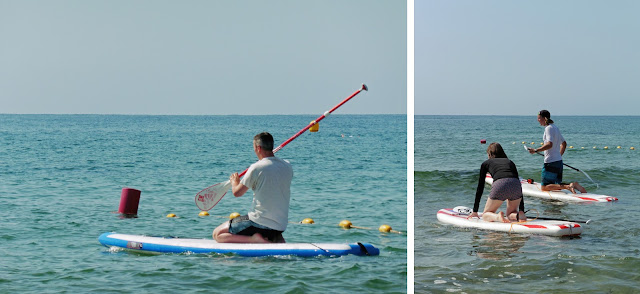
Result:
x=237 y=188
x=234 y=179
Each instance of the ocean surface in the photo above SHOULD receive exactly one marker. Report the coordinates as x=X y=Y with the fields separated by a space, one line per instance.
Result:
x=605 y=259
x=61 y=178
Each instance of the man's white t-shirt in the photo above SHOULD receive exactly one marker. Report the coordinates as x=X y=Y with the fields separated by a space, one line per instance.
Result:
x=270 y=180
x=552 y=134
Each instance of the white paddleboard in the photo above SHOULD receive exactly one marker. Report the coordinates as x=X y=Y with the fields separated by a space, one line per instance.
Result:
x=535 y=190
x=532 y=226
x=185 y=245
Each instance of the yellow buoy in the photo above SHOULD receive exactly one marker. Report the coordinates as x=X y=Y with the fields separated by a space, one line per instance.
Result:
x=307 y=221
x=619 y=147
x=345 y=224
x=203 y=213
x=633 y=148
x=594 y=147
x=606 y=147
x=171 y=215
x=314 y=126
x=234 y=215
x=384 y=228
x=533 y=143
x=523 y=142
x=571 y=147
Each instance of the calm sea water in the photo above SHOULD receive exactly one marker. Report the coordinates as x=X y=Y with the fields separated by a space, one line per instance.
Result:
x=61 y=177
x=605 y=259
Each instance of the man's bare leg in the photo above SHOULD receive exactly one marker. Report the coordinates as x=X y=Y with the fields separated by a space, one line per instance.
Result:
x=557 y=187
x=578 y=187
x=221 y=235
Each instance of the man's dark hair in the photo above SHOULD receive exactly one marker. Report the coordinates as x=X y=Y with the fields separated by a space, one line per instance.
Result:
x=264 y=140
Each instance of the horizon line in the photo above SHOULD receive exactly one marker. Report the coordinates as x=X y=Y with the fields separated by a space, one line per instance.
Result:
x=525 y=115
x=149 y=114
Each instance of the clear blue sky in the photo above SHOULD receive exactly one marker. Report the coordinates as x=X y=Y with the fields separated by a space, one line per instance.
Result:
x=202 y=57
x=516 y=57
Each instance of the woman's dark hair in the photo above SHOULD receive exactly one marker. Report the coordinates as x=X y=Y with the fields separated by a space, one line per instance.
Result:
x=495 y=151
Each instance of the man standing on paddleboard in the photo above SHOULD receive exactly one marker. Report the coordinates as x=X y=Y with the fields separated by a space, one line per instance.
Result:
x=554 y=146
x=270 y=180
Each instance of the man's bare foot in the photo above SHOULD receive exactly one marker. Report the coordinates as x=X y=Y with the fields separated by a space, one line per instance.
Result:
x=257 y=238
x=578 y=187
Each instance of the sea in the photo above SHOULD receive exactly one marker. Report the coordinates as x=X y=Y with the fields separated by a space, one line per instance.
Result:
x=604 y=259
x=61 y=178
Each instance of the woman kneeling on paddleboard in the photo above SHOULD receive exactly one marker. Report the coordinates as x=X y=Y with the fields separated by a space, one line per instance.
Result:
x=506 y=186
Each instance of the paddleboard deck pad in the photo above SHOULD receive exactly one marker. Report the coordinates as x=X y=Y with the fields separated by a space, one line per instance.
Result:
x=535 y=190
x=186 y=245
x=531 y=226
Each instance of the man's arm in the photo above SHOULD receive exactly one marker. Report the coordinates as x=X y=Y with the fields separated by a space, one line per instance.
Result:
x=236 y=188
x=545 y=146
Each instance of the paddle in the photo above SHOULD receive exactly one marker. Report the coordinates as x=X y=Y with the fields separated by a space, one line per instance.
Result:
x=571 y=167
x=209 y=197
x=558 y=219
x=566 y=220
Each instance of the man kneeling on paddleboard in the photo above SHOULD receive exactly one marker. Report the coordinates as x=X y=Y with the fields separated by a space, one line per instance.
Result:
x=270 y=180
x=554 y=146
x=506 y=186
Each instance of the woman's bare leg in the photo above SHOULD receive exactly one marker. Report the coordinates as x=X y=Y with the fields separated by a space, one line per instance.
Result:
x=489 y=214
x=512 y=209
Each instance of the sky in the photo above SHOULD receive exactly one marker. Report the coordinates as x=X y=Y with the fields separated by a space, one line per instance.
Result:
x=502 y=57
x=202 y=57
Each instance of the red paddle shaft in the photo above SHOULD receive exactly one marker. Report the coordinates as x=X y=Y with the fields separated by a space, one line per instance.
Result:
x=364 y=87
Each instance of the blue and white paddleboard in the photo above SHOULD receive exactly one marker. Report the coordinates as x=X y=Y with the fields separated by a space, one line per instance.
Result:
x=185 y=245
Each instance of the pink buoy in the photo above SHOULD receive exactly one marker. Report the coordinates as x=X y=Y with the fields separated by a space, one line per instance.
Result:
x=483 y=141
x=129 y=200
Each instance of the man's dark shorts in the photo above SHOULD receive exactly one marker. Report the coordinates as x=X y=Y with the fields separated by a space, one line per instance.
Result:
x=242 y=225
x=552 y=173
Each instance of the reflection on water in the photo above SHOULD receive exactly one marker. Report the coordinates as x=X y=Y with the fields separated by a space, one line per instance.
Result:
x=496 y=245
